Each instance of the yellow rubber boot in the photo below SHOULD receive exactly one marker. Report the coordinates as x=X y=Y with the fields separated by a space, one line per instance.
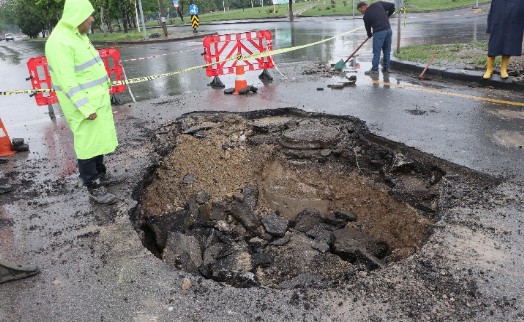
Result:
x=504 y=67
x=489 y=68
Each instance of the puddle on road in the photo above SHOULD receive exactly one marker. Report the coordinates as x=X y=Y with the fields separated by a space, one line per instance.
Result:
x=282 y=198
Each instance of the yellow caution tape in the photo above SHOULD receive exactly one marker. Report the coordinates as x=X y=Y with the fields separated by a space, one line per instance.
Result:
x=25 y=91
x=157 y=76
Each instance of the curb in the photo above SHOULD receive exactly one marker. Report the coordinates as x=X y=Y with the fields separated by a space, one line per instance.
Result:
x=458 y=74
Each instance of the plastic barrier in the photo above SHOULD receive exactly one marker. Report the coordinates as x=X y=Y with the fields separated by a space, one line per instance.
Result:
x=40 y=78
x=111 y=58
x=218 y=48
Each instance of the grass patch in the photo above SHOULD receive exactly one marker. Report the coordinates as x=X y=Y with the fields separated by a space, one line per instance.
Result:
x=346 y=7
x=121 y=36
x=468 y=54
x=338 y=9
x=265 y=12
x=432 y=5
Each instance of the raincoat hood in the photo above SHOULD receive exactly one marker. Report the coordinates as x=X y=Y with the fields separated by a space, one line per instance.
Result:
x=76 y=12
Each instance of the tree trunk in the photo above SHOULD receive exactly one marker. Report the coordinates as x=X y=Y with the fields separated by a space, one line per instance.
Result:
x=162 y=16
x=123 y=15
x=102 y=20
x=108 y=20
x=291 y=17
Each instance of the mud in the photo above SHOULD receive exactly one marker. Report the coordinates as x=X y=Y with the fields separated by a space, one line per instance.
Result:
x=285 y=198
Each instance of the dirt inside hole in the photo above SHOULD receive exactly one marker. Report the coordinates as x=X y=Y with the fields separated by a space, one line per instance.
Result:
x=283 y=198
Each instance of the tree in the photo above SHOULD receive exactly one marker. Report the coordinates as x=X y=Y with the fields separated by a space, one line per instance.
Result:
x=49 y=11
x=7 y=16
x=28 y=18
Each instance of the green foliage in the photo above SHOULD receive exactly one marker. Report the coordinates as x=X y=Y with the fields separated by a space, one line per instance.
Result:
x=31 y=25
x=7 y=16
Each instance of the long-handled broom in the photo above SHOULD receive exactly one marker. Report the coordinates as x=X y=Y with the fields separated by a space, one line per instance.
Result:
x=341 y=64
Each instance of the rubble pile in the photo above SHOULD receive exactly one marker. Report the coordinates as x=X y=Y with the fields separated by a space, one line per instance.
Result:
x=283 y=198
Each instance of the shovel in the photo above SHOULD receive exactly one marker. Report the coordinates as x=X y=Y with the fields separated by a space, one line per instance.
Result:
x=341 y=64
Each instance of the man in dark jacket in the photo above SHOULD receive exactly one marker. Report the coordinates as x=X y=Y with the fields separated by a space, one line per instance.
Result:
x=376 y=17
x=506 y=27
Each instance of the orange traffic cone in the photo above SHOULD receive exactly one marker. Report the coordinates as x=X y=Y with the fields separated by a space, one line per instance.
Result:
x=240 y=81
x=6 y=148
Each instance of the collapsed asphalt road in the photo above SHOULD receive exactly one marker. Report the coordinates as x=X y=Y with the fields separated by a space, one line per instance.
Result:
x=94 y=266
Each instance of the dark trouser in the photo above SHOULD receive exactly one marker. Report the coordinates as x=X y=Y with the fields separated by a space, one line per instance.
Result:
x=91 y=169
x=381 y=43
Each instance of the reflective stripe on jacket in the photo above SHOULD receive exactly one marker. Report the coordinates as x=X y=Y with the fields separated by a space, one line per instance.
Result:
x=81 y=83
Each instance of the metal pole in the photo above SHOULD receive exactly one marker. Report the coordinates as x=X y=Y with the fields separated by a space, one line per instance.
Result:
x=51 y=111
x=136 y=14
x=399 y=14
x=142 y=18
x=353 y=9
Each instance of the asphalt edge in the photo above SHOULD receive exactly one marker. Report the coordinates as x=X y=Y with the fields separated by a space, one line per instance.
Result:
x=458 y=74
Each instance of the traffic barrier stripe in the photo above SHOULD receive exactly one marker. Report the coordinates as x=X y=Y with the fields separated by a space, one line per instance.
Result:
x=236 y=45
x=157 y=76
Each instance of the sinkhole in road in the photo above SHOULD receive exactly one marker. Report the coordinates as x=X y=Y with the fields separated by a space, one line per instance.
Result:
x=282 y=198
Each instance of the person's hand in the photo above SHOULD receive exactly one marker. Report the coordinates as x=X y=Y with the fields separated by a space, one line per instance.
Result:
x=92 y=117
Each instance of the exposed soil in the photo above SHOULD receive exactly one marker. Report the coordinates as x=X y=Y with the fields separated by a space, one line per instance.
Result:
x=283 y=198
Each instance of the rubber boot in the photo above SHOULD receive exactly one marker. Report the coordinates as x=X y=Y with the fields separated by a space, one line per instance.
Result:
x=504 y=67
x=489 y=68
x=10 y=272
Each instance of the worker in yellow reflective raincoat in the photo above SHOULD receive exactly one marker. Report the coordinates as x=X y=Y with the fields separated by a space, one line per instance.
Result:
x=82 y=87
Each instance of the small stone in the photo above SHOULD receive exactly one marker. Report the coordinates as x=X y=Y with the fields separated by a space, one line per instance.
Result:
x=239 y=197
x=275 y=225
x=186 y=284
x=307 y=219
x=458 y=194
x=262 y=259
x=362 y=273
x=347 y=216
x=258 y=242
x=202 y=197
x=325 y=152
x=189 y=179
x=250 y=193
x=244 y=214
x=281 y=241
x=321 y=246
x=321 y=235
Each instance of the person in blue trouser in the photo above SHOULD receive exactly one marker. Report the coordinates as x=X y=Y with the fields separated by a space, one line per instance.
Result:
x=376 y=18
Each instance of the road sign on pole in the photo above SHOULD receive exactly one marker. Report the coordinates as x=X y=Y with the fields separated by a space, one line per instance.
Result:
x=194 y=22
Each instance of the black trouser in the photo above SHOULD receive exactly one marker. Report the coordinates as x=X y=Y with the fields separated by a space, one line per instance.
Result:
x=91 y=169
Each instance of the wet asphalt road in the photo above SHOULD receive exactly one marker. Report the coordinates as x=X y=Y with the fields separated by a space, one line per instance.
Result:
x=473 y=133
x=93 y=263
